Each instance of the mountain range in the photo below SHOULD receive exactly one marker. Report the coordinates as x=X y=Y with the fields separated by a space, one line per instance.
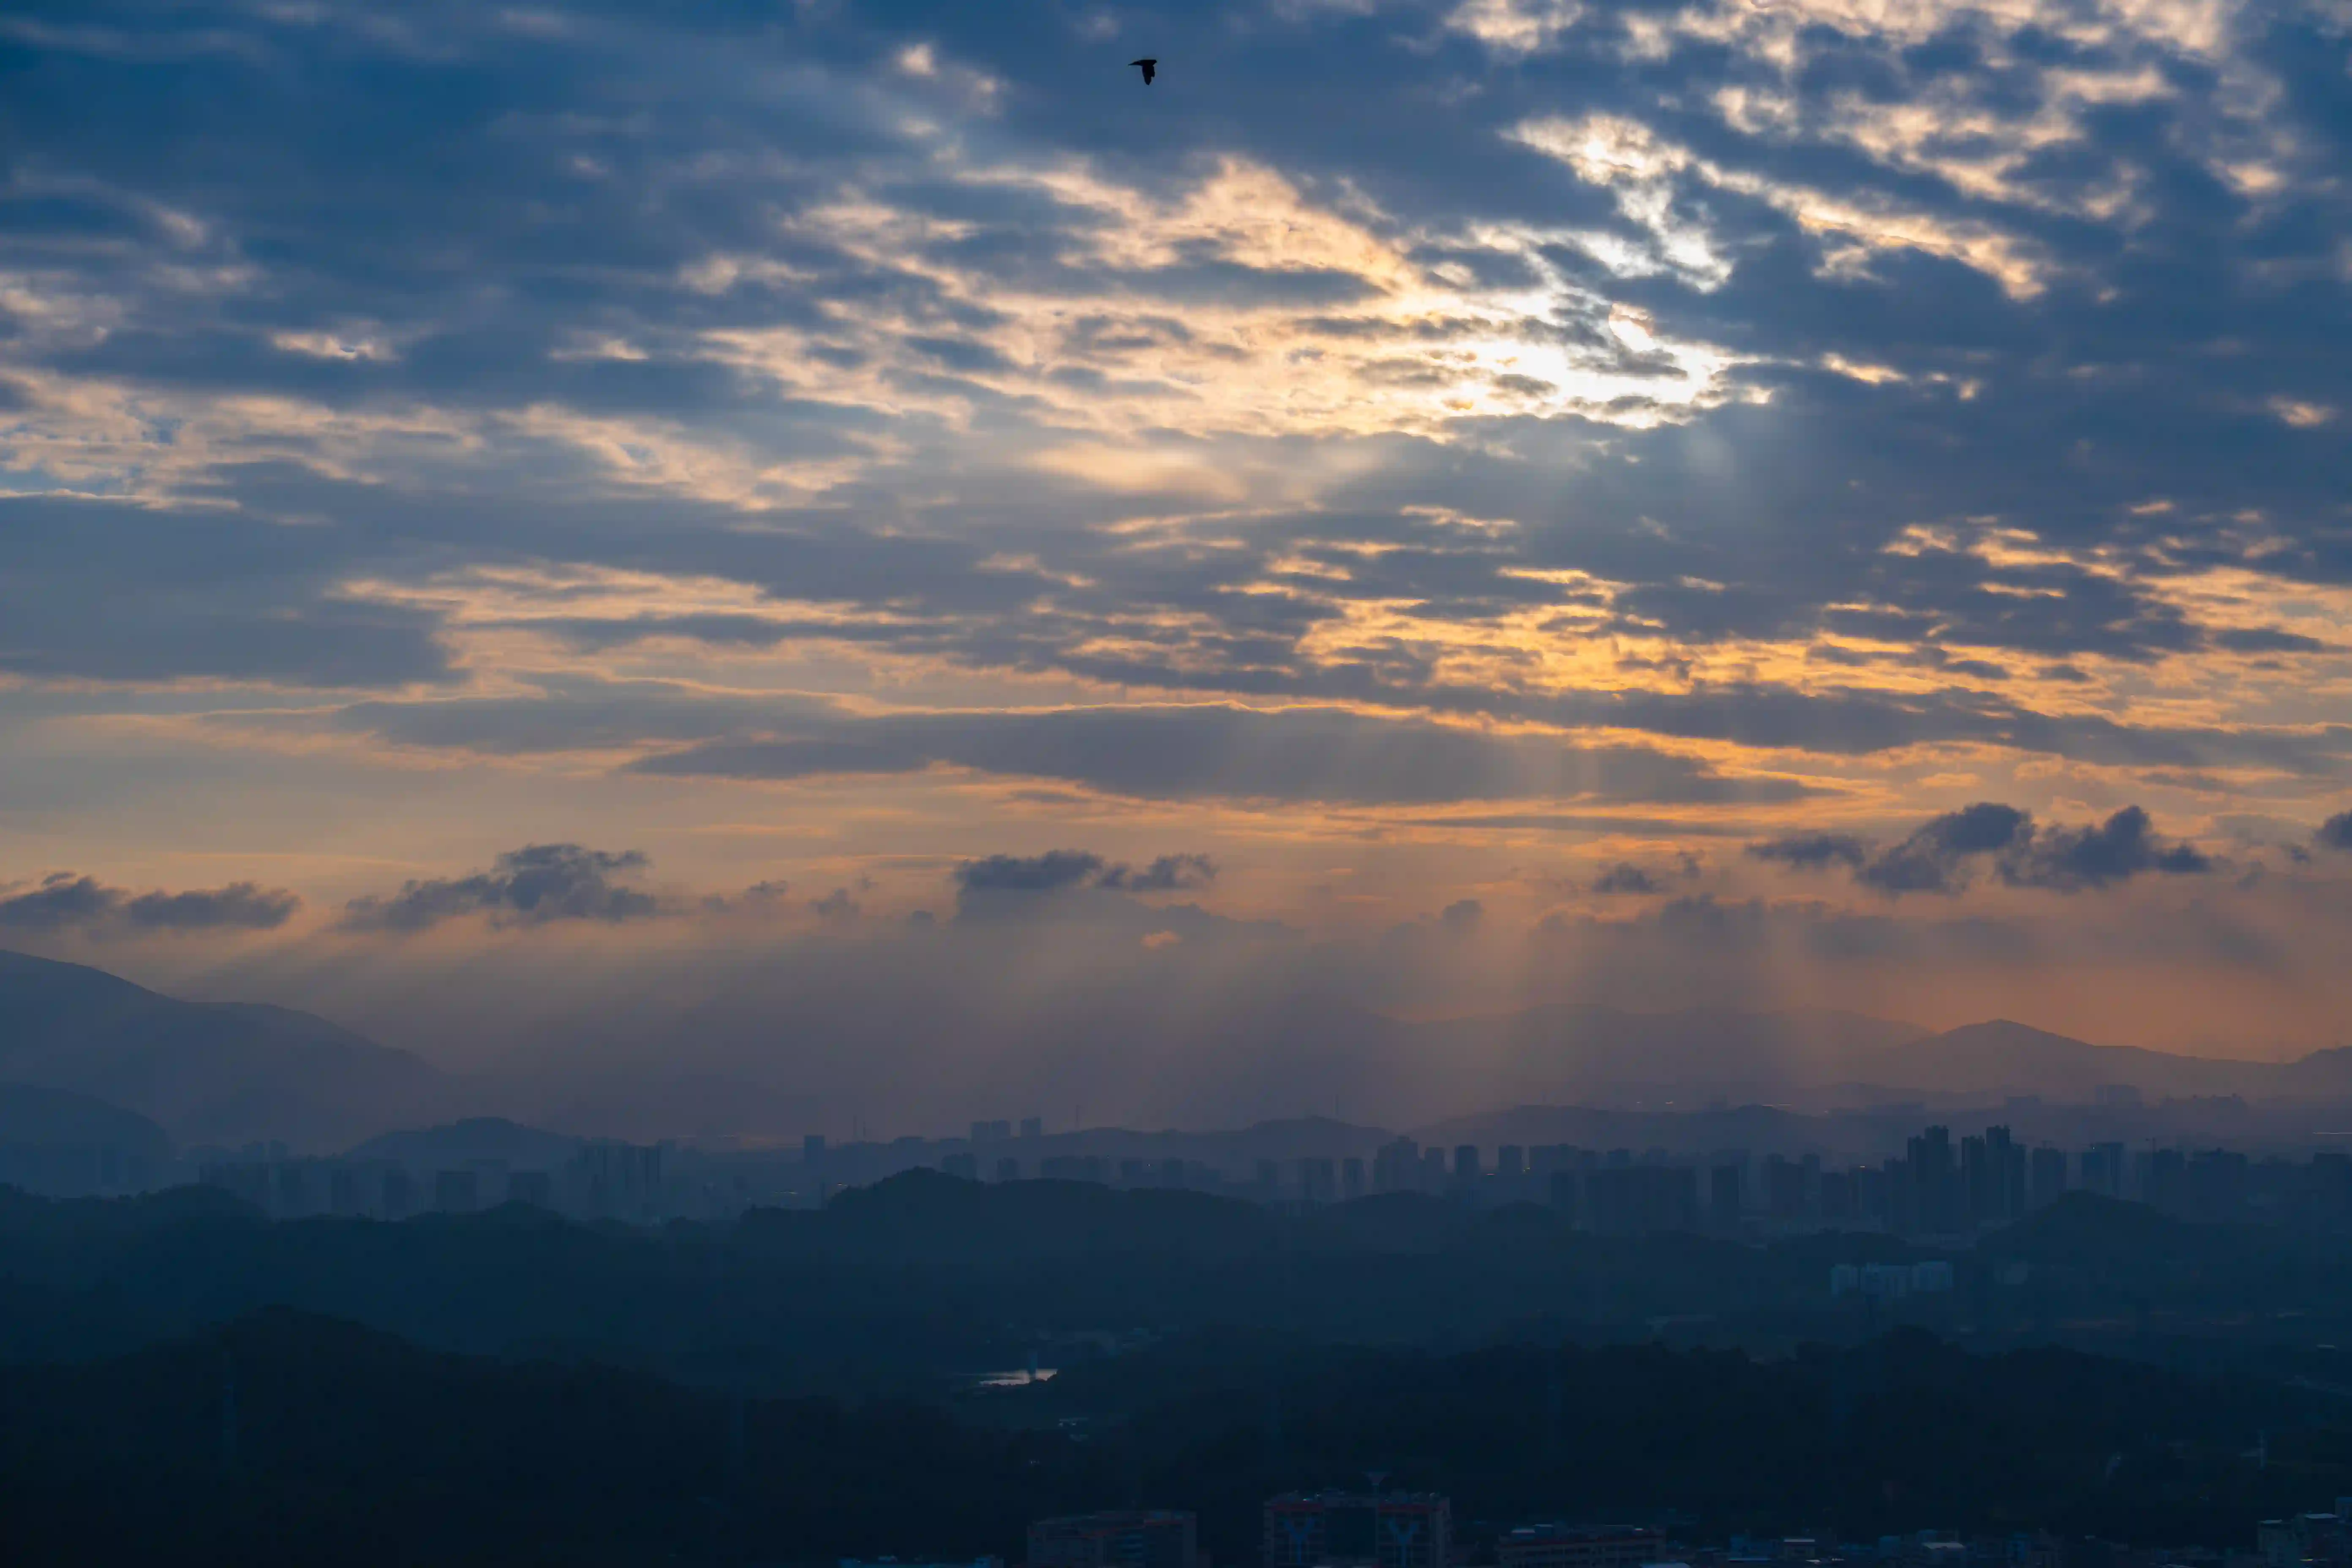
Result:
x=229 y=1073
x=207 y=1072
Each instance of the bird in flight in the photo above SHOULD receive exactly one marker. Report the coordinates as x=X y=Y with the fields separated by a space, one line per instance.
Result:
x=1149 y=67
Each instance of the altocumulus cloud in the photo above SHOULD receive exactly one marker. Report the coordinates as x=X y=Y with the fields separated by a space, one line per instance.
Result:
x=1004 y=881
x=1625 y=877
x=1943 y=854
x=64 y=902
x=538 y=884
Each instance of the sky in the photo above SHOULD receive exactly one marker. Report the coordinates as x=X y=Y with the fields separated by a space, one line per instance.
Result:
x=520 y=523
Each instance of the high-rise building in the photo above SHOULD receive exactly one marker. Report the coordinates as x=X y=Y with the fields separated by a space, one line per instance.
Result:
x=399 y=1193
x=1071 y=1168
x=963 y=1164
x=1564 y=1185
x=1359 y=1530
x=1318 y=1181
x=1143 y=1538
x=1723 y=1197
x=1351 y=1178
x=1396 y=1168
x=1632 y=1200
x=1432 y=1169
x=1976 y=1181
x=1008 y=1169
x=617 y=1180
x=1032 y=1127
x=1510 y=1162
x=1838 y=1199
x=1992 y=1172
x=1935 y=1192
x=1465 y=1164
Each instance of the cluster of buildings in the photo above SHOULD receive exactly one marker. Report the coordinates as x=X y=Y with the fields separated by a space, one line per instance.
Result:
x=603 y=1180
x=1377 y=1528
x=1939 y=1187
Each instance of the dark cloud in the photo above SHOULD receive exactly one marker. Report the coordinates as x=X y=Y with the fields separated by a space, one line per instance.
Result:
x=1185 y=752
x=1936 y=857
x=1813 y=851
x=1050 y=872
x=838 y=907
x=1007 y=881
x=64 y=902
x=2124 y=845
x=1461 y=917
x=1943 y=855
x=1626 y=877
x=760 y=898
x=93 y=590
x=536 y=885
x=1167 y=874
x=2336 y=832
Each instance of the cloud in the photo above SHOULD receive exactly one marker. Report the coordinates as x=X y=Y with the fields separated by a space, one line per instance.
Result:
x=64 y=902
x=1785 y=416
x=538 y=884
x=1050 y=872
x=838 y=907
x=1940 y=856
x=1625 y=877
x=2336 y=832
x=759 y=898
x=1006 y=881
x=1211 y=750
x=1935 y=857
x=1461 y=917
x=2123 y=847
x=1813 y=851
x=1167 y=873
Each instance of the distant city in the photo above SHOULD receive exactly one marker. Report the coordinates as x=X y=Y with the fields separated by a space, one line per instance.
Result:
x=1942 y=1186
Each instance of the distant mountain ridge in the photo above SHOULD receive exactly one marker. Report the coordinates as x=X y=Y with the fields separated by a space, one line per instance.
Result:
x=230 y=1073
x=1560 y=1055
x=35 y=1116
x=207 y=1072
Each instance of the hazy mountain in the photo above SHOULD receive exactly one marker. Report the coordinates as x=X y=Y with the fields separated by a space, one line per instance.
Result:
x=33 y=1116
x=209 y=1072
x=2004 y=1056
x=230 y=1073
x=1686 y=1061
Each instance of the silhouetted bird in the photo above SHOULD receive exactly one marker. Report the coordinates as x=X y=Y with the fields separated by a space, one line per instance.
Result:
x=1150 y=68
